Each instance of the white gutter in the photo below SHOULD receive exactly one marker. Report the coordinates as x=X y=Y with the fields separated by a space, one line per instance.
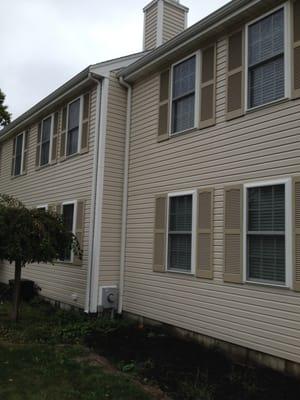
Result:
x=91 y=303
x=125 y=195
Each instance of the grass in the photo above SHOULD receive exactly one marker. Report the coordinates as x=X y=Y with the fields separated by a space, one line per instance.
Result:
x=42 y=357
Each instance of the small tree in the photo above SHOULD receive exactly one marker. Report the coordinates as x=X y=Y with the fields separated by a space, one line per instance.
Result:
x=31 y=236
x=4 y=114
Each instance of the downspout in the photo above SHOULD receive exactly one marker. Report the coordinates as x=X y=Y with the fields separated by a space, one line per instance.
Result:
x=125 y=195
x=93 y=198
x=97 y=195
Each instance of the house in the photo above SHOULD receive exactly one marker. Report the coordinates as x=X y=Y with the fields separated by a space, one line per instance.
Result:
x=188 y=198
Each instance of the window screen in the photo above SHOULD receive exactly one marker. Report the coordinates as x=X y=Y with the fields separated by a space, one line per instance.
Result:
x=19 y=153
x=183 y=96
x=46 y=135
x=266 y=60
x=266 y=234
x=68 y=218
x=73 y=127
x=180 y=233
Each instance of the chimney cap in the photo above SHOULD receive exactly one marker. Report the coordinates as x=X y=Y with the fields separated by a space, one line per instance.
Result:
x=173 y=2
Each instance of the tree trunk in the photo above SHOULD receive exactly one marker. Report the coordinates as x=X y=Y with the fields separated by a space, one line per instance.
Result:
x=17 y=291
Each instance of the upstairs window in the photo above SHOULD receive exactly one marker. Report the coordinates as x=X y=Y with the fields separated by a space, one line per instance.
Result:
x=266 y=234
x=183 y=95
x=266 y=60
x=180 y=233
x=73 y=127
x=19 y=154
x=46 y=140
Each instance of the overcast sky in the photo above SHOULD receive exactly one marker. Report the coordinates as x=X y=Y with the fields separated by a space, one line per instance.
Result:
x=46 y=42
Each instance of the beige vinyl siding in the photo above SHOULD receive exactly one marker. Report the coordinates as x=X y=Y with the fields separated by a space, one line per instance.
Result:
x=67 y=180
x=113 y=184
x=264 y=144
x=174 y=21
x=150 y=27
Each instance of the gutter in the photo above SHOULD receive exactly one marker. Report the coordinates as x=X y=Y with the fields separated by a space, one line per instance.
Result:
x=125 y=195
x=58 y=95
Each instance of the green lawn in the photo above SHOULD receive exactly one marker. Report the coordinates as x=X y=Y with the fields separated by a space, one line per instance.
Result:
x=42 y=357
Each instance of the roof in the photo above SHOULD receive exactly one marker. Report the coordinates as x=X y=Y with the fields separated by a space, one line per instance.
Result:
x=213 y=24
x=85 y=77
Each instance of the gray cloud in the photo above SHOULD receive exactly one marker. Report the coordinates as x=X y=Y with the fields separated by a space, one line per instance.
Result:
x=46 y=42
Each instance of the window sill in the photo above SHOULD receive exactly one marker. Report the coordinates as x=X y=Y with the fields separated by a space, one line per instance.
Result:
x=190 y=130
x=265 y=284
x=69 y=157
x=18 y=176
x=176 y=271
x=267 y=105
x=41 y=167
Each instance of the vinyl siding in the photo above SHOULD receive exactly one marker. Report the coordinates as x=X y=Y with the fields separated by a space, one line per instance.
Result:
x=174 y=21
x=113 y=184
x=264 y=144
x=150 y=27
x=67 y=180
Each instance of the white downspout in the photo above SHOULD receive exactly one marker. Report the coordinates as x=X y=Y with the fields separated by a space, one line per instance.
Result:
x=125 y=195
x=91 y=304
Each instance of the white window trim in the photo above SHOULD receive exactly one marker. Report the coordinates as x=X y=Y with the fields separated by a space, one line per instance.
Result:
x=288 y=230
x=79 y=128
x=65 y=203
x=287 y=55
x=45 y=206
x=197 y=54
x=22 y=155
x=51 y=140
x=194 y=231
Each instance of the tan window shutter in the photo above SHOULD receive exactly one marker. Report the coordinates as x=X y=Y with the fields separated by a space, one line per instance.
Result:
x=233 y=234
x=58 y=209
x=55 y=137
x=85 y=128
x=235 y=76
x=25 y=155
x=13 y=157
x=163 y=118
x=51 y=208
x=208 y=87
x=63 y=133
x=79 y=229
x=38 y=145
x=159 y=256
x=296 y=218
x=204 y=267
x=296 y=49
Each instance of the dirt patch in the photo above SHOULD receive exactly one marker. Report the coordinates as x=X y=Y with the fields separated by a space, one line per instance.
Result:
x=186 y=370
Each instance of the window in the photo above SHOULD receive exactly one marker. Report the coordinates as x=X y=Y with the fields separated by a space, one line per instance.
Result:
x=73 y=127
x=266 y=59
x=267 y=246
x=68 y=214
x=183 y=95
x=180 y=233
x=43 y=208
x=46 y=140
x=19 y=154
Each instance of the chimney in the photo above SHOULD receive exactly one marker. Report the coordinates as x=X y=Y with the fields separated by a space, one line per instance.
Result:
x=163 y=19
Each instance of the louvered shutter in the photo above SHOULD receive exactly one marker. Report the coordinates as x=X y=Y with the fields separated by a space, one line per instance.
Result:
x=25 y=155
x=235 y=76
x=85 y=128
x=38 y=145
x=79 y=229
x=163 y=118
x=296 y=49
x=208 y=87
x=63 y=133
x=55 y=137
x=13 y=157
x=204 y=267
x=296 y=218
x=58 y=209
x=159 y=254
x=233 y=234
